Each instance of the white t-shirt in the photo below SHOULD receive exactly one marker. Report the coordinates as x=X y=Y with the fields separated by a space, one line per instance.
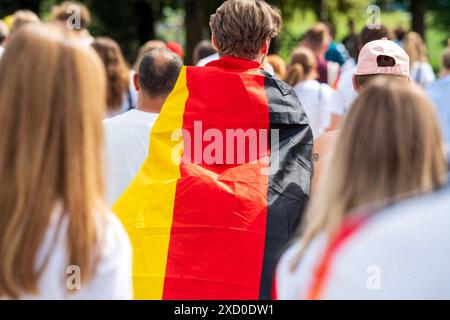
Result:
x=203 y=62
x=295 y=284
x=127 y=139
x=422 y=73
x=113 y=277
x=345 y=92
x=318 y=101
x=2 y=50
x=400 y=253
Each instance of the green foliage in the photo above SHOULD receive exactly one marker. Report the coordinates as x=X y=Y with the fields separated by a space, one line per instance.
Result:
x=119 y=19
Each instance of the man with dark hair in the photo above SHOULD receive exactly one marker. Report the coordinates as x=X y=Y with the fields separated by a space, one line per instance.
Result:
x=228 y=171
x=318 y=40
x=127 y=135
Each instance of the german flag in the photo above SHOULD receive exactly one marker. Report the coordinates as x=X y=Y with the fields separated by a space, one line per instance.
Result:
x=223 y=187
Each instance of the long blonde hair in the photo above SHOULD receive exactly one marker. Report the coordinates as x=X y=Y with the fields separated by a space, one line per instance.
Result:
x=389 y=147
x=416 y=48
x=301 y=64
x=52 y=97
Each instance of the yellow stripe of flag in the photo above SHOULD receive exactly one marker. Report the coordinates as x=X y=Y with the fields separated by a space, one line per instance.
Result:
x=147 y=219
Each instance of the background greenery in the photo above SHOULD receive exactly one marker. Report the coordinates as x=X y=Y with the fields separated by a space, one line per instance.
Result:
x=132 y=22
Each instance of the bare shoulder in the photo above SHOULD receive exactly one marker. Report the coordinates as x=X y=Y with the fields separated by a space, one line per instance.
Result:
x=323 y=143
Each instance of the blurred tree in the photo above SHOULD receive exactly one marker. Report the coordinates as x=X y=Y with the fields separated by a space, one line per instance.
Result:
x=418 y=9
x=195 y=25
x=440 y=10
x=133 y=22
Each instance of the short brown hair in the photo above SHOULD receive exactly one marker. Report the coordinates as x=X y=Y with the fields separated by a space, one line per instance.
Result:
x=316 y=36
x=62 y=13
x=241 y=27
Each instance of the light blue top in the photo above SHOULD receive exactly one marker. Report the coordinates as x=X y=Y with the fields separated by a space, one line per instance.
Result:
x=439 y=93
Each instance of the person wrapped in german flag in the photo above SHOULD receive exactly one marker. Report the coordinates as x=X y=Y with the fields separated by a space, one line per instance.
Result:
x=227 y=175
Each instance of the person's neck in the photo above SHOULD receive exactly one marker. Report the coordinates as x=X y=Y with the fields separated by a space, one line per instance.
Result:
x=259 y=59
x=150 y=104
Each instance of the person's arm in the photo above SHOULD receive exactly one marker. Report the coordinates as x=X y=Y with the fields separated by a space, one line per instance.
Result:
x=335 y=107
x=322 y=148
x=335 y=122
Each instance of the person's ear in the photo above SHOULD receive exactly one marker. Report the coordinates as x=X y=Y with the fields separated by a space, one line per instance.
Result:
x=265 y=48
x=213 y=40
x=136 y=82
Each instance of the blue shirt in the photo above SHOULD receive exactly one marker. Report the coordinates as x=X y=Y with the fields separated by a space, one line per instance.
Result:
x=439 y=93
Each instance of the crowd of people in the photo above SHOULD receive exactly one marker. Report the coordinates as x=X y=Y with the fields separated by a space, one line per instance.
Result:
x=102 y=167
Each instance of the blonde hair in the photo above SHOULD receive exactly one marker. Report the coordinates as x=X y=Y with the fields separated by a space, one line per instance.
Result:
x=390 y=147
x=278 y=65
x=52 y=93
x=22 y=18
x=241 y=27
x=302 y=63
x=117 y=72
x=415 y=48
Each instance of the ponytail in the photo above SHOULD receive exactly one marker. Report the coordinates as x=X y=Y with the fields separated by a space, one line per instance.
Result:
x=302 y=64
x=295 y=73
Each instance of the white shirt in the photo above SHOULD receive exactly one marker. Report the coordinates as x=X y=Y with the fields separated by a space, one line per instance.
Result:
x=113 y=277
x=295 y=284
x=203 y=62
x=317 y=100
x=345 y=92
x=422 y=73
x=127 y=139
x=404 y=251
x=2 y=50
x=400 y=253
